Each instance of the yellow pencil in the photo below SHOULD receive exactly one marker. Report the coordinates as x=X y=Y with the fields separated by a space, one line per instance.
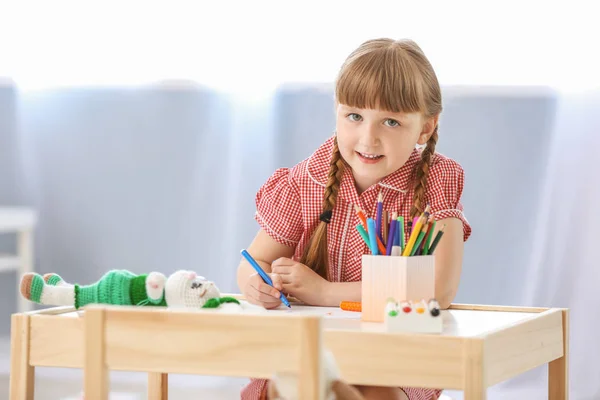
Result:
x=415 y=232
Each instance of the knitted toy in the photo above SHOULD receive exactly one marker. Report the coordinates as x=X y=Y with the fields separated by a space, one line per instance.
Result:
x=285 y=386
x=182 y=289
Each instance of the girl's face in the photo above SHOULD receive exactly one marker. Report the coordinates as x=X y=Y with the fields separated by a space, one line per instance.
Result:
x=376 y=143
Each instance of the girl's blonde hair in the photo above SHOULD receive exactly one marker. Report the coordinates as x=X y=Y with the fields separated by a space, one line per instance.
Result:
x=390 y=75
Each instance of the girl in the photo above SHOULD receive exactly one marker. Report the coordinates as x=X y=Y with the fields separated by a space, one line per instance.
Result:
x=387 y=101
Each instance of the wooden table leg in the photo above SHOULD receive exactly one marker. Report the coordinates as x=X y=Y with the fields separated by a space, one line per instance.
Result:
x=558 y=370
x=474 y=386
x=158 y=386
x=21 y=373
x=96 y=374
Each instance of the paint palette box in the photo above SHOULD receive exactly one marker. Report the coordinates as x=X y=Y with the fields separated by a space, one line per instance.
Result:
x=413 y=317
x=398 y=277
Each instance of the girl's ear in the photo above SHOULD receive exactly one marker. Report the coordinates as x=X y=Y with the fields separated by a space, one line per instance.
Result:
x=427 y=130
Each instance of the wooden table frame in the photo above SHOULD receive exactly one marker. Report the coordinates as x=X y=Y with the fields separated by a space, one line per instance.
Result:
x=471 y=364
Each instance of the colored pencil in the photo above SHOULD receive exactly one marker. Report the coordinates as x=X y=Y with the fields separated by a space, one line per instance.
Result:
x=392 y=233
x=385 y=226
x=414 y=222
x=419 y=240
x=363 y=218
x=437 y=239
x=422 y=245
x=401 y=235
x=372 y=236
x=415 y=232
x=364 y=235
x=378 y=214
x=361 y=215
x=263 y=275
x=396 y=239
x=413 y=237
x=429 y=237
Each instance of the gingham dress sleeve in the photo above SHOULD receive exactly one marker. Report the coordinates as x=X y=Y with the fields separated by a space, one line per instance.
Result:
x=445 y=187
x=278 y=208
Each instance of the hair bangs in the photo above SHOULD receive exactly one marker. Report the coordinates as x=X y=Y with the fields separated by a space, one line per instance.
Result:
x=384 y=79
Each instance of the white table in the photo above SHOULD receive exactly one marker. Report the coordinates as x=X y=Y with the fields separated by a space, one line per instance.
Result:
x=20 y=221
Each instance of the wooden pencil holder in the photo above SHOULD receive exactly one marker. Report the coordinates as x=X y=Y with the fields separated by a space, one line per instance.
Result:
x=384 y=277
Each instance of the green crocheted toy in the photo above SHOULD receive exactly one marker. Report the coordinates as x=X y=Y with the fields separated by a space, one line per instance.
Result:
x=183 y=289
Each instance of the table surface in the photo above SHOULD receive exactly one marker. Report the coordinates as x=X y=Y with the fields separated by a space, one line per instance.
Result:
x=457 y=323
x=479 y=346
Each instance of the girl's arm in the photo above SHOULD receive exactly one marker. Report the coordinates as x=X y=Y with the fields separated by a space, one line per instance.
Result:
x=264 y=250
x=342 y=291
x=448 y=260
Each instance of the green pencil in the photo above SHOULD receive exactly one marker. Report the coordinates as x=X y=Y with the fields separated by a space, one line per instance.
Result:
x=438 y=236
x=428 y=240
x=401 y=226
x=364 y=235
x=417 y=243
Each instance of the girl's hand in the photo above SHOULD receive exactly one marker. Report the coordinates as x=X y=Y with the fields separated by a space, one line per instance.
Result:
x=258 y=292
x=300 y=281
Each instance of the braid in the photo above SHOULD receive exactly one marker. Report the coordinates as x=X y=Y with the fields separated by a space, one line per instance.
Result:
x=316 y=255
x=422 y=173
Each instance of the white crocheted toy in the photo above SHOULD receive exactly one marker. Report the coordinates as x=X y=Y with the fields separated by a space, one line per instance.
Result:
x=182 y=289
x=285 y=386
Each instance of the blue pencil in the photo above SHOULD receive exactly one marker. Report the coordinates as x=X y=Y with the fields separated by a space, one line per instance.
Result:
x=263 y=275
x=372 y=236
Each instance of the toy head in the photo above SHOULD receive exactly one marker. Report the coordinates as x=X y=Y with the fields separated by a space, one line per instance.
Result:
x=186 y=289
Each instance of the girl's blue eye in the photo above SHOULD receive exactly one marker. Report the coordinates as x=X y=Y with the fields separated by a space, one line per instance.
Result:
x=392 y=123
x=354 y=117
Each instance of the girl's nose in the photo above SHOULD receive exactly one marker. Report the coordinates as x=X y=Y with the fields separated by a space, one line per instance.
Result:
x=369 y=135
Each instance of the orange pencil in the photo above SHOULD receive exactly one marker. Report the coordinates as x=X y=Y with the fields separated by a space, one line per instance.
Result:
x=363 y=218
x=351 y=306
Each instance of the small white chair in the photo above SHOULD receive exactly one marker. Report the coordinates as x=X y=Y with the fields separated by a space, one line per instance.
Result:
x=21 y=221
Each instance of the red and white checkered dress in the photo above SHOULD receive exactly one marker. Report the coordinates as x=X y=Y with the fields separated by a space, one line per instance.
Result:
x=289 y=205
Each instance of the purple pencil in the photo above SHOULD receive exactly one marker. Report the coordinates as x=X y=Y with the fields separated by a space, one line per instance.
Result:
x=379 y=215
x=391 y=235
